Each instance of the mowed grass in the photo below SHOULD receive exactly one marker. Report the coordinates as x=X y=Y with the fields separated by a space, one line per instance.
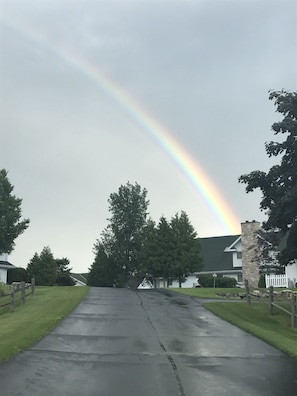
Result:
x=207 y=292
x=276 y=330
x=32 y=321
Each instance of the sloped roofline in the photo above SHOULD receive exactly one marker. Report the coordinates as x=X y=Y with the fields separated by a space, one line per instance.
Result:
x=232 y=247
x=6 y=265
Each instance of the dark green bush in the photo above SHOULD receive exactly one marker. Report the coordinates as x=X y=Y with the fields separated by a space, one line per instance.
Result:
x=262 y=282
x=16 y=275
x=225 y=281
x=64 y=280
x=206 y=280
x=221 y=281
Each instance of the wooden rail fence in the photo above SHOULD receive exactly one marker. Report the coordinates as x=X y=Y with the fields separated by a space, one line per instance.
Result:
x=290 y=299
x=24 y=290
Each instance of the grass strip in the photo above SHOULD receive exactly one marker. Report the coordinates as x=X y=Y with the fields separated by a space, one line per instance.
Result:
x=255 y=319
x=32 y=321
x=206 y=292
x=276 y=330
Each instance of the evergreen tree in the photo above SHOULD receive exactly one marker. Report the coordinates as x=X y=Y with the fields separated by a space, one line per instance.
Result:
x=187 y=255
x=63 y=277
x=11 y=225
x=147 y=252
x=165 y=250
x=103 y=271
x=43 y=268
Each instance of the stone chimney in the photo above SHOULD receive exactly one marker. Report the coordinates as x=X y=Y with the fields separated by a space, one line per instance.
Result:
x=250 y=263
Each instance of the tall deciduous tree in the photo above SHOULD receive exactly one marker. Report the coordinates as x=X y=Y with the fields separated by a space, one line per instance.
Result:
x=267 y=252
x=11 y=225
x=43 y=268
x=279 y=184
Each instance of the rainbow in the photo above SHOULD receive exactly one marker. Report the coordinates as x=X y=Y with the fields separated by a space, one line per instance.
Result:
x=189 y=167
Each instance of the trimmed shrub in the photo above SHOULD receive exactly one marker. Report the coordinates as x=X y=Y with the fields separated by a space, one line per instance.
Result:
x=16 y=275
x=221 y=281
x=206 y=280
x=262 y=282
x=226 y=282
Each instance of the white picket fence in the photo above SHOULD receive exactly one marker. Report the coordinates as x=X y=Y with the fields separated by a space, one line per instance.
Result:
x=277 y=280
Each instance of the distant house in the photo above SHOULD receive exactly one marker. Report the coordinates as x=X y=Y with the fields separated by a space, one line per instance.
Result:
x=235 y=256
x=79 y=279
x=221 y=255
x=4 y=267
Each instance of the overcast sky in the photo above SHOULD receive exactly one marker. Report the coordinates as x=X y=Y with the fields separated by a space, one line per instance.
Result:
x=202 y=69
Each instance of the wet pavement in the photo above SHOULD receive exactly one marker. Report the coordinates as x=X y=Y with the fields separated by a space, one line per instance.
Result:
x=119 y=342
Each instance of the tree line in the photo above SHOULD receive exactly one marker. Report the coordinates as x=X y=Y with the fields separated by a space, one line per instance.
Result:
x=133 y=246
x=47 y=270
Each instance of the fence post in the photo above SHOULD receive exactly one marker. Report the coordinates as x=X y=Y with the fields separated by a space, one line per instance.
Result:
x=23 y=292
x=247 y=290
x=33 y=287
x=12 y=298
x=270 y=300
x=293 y=311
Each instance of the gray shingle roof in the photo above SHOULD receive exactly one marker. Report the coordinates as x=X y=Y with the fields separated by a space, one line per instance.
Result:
x=80 y=277
x=214 y=257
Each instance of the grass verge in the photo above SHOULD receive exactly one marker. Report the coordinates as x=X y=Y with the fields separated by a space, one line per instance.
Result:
x=255 y=319
x=205 y=292
x=29 y=323
x=276 y=330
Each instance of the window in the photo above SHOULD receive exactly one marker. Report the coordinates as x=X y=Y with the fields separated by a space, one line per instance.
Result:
x=239 y=255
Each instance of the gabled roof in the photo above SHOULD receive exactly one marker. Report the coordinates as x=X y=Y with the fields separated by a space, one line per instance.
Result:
x=213 y=254
x=232 y=247
x=79 y=277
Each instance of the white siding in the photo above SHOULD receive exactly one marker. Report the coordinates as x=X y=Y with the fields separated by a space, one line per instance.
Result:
x=237 y=262
x=188 y=283
x=3 y=275
x=291 y=272
x=3 y=257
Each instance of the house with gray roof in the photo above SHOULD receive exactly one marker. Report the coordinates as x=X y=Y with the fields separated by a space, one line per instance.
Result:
x=4 y=267
x=222 y=256
x=79 y=279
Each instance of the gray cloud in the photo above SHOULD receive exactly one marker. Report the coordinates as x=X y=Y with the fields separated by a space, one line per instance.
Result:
x=201 y=68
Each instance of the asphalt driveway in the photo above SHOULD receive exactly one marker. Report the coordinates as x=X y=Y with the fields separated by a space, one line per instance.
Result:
x=118 y=342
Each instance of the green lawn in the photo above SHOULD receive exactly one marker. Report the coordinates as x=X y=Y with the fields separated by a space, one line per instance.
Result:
x=255 y=319
x=29 y=323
